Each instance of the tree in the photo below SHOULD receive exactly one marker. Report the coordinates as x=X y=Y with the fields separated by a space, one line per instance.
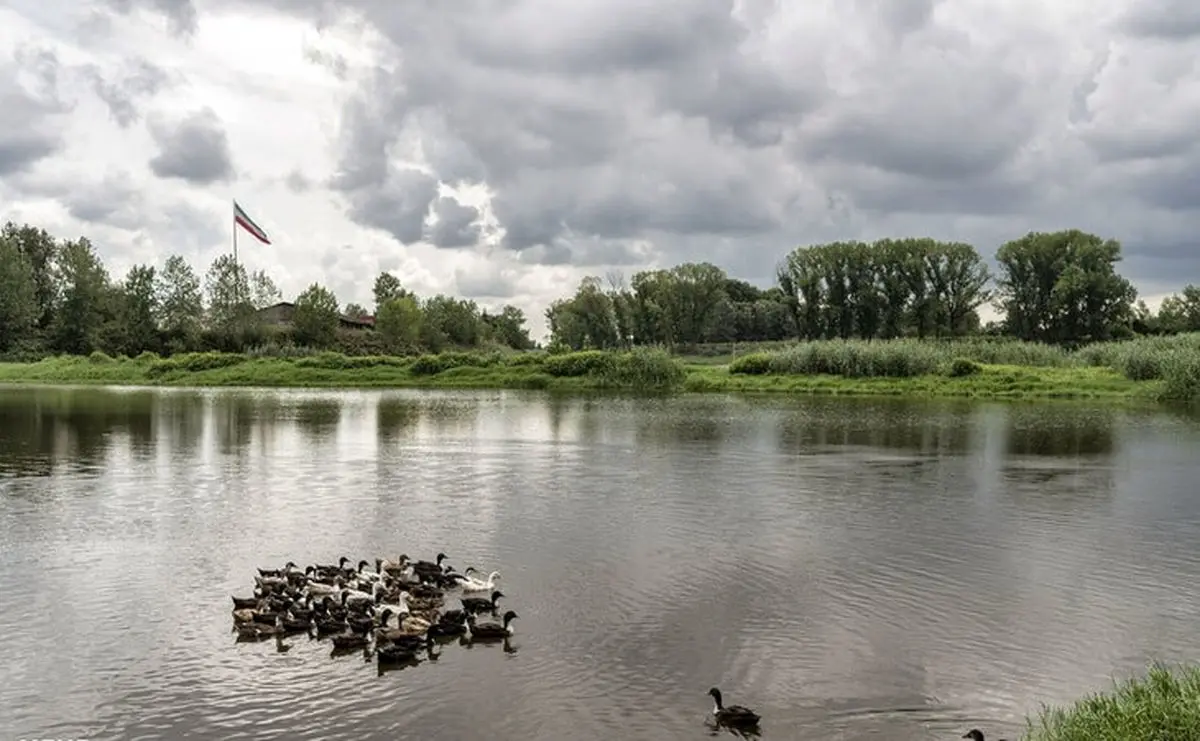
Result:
x=316 y=317
x=446 y=320
x=228 y=291
x=587 y=320
x=354 y=311
x=41 y=252
x=82 y=304
x=139 y=304
x=387 y=287
x=1062 y=287
x=263 y=292
x=180 y=305
x=508 y=328
x=1180 y=312
x=399 y=321
x=19 y=310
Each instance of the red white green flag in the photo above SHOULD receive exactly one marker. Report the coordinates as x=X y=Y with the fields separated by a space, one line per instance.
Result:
x=241 y=219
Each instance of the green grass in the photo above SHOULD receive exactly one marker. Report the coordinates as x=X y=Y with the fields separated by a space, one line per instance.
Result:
x=1166 y=369
x=1162 y=706
x=639 y=370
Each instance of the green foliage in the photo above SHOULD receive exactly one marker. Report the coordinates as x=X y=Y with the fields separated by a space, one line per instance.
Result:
x=228 y=292
x=963 y=367
x=399 y=323
x=752 y=364
x=316 y=316
x=576 y=364
x=180 y=303
x=1063 y=287
x=19 y=310
x=1165 y=704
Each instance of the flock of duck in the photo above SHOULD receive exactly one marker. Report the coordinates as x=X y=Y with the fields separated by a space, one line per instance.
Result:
x=392 y=612
x=395 y=612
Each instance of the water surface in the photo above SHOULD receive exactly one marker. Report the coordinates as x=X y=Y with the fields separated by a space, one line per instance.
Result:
x=847 y=568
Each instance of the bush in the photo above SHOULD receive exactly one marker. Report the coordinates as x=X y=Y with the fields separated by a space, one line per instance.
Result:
x=1163 y=705
x=643 y=369
x=581 y=363
x=858 y=359
x=963 y=367
x=431 y=365
x=99 y=357
x=753 y=364
x=1181 y=378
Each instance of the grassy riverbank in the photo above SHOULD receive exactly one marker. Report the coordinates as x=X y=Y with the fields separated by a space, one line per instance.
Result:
x=1165 y=704
x=1146 y=369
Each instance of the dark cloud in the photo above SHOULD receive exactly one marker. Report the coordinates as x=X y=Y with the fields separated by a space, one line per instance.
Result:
x=136 y=81
x=298 y=182
x=181 y=15
x=1173 y=20
x=194 y=148
x=625 y=133
x=457 y=224
x=30 y=110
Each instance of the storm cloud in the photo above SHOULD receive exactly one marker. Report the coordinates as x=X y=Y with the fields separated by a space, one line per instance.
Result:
x=605 y=134
x=194 y=148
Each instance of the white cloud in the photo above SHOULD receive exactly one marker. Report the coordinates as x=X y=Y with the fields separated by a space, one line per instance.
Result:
x=613 y=134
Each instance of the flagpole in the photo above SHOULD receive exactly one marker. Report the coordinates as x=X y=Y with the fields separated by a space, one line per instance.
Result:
x=237 y=284
x=235 y=226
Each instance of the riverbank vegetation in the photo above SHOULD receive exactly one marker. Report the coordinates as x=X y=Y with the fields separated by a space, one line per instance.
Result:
x=1165 y=704
x=892 y=316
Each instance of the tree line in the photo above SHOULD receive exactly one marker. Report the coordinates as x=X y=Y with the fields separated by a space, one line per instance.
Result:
x=1061 y=288
x=56 y=296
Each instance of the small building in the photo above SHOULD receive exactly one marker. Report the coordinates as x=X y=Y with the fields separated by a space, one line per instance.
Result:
x=282 y=314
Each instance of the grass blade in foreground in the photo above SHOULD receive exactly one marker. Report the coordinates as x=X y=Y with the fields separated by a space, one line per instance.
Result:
x=1164 y=705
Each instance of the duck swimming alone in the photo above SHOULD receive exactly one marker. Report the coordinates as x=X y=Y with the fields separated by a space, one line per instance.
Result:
x=734 y=715
x=975 y=735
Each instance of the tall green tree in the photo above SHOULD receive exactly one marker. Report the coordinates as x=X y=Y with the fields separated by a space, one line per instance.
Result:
x=508 y=328
x=1063 y=287
x=386 y=288
x=41 y=251
x=1181 y=312
x=19 y=310
x=399 y=321
x=139 y=310
x=228 y=290
x=354 y=311
x=263 y=292
x=83 y=300
x=180 y=302
x=316 y=317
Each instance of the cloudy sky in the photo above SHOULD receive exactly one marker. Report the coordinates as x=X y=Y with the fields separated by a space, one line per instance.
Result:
x=502 y=149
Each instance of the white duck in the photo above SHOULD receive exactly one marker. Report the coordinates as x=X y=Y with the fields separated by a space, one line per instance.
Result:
x=471 y=584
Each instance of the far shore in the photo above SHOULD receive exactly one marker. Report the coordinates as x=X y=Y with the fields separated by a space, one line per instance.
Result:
x=644 y=371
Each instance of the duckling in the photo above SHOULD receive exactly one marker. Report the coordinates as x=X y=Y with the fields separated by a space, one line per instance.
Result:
x=396 y=654
x=734 y=715
x=425 y=567
x=352 y=599
x=471 y=584
x=245 y=615
x=491 y=630
x=360 y=623
x=296 y=625
x=349 y=640
x=475 y=605
x=245 y=603
x=448 y=629
x=975 y=735
x=326 y=625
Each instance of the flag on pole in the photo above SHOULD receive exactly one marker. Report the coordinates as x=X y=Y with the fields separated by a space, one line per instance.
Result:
x=241 y=219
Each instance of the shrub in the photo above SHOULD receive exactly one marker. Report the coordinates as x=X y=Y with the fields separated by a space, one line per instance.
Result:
x=753 y=364
x=582 y=363
x=1181 y=378
x=99 y=357
x=963 y=367
x=643 y=369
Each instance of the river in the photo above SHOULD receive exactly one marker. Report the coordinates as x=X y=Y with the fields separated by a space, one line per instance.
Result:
x=846 y=568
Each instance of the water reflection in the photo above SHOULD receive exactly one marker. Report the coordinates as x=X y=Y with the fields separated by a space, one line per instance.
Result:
x=847 y=568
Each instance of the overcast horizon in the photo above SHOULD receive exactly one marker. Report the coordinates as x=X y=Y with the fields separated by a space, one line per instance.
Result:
x=501 y=151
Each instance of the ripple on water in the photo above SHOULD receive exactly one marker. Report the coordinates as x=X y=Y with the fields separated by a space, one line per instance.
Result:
x=651 y=549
